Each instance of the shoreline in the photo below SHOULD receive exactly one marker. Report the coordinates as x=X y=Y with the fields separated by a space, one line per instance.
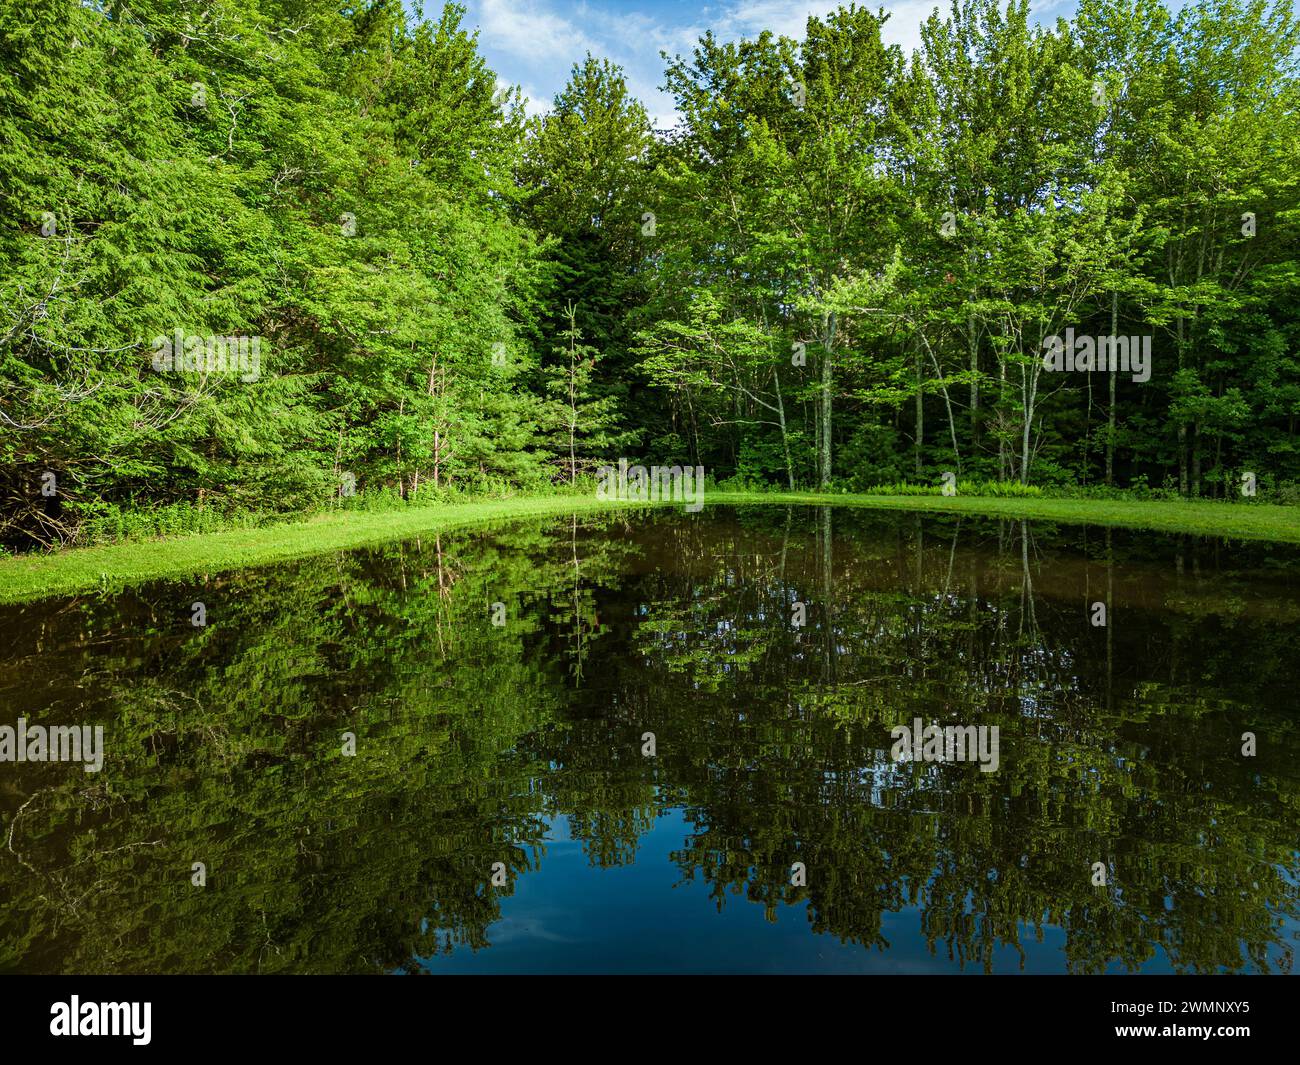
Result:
x=26 y=578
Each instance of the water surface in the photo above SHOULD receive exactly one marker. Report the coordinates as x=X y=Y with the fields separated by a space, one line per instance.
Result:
x=517 y=752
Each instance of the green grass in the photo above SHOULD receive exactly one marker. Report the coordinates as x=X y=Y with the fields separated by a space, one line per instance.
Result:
x=25 y=577
x=109 y=567
x=1235 y=521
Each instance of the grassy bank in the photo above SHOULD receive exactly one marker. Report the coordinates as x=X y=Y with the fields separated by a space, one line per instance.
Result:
x=93 y=568
x=1255 y=521
x=26 y=577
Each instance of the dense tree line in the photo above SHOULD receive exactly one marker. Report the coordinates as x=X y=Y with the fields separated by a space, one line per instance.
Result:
x=837 y=270
x=927 y=221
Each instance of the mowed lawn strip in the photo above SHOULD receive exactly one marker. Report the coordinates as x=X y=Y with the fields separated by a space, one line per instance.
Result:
x=1233 y=521
x=27 y=577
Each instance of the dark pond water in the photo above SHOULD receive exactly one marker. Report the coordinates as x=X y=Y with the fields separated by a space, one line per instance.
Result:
x=502 y=811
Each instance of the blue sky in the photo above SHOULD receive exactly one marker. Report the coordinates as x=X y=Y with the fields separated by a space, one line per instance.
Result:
x=534 y=43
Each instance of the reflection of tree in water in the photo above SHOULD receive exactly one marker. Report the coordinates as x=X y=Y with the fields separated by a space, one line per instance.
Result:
x=1118 y=745
x=1201 y=856
x=226 y=746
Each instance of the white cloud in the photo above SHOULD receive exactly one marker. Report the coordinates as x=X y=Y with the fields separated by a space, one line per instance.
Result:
x=536 y=42
x=528 y=28
x=789 y=18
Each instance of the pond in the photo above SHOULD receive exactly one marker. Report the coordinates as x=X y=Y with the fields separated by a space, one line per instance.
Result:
x=663 y=742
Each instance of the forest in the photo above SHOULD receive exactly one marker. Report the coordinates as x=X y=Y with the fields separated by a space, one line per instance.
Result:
x=262 y=255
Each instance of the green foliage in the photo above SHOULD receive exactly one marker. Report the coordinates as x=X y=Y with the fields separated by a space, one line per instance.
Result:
x=921 y=226
x=851 y=259
x=338 y=185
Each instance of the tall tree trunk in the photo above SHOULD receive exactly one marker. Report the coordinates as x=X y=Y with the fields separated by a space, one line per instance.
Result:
x=573 y=400
x=1002 y=397
x=1110 y=416
x=437 y=436
x=920 y=411
x=401 y=476
x=974 y=342
x=1182 y=426
x=1183 y=482
x=827 y=380
x=1196 y=459
x=947 y=402
x=1026 y=430
x=785 y=438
